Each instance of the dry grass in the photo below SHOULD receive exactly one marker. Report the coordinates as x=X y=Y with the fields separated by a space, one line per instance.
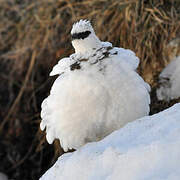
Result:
x=35 y=34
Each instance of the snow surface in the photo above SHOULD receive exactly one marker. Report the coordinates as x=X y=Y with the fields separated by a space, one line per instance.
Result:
x=95 y=93
x=145 y=149
x=170 y=81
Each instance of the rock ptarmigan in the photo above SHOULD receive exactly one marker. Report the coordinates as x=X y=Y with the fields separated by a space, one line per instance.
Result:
x=97 y=91
x=169 y=81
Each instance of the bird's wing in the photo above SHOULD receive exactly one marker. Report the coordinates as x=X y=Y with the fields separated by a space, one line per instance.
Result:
x=62 y=66
x=127 y=56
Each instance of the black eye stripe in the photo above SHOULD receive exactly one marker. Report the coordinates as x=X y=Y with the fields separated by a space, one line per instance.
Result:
x=80 y=35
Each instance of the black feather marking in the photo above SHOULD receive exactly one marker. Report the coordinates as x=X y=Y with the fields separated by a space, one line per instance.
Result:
x=115 y=53
x=81 y=35
x=74 y=66
x=83 y=60
x=106 y=54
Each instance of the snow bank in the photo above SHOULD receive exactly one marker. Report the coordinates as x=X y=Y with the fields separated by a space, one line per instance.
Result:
x=148 y=148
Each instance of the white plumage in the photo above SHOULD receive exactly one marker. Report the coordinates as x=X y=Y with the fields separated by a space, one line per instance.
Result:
x=169 y=80
x=97 y=91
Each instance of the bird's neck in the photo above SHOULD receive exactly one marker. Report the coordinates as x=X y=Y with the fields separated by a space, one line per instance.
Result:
x=87 y=45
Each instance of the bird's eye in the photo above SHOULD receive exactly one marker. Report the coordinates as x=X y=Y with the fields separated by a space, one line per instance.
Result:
x=81 y=35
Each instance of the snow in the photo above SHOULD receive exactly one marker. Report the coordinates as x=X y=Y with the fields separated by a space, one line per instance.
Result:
x=145 y=149
x=95 y=93
x=170 y=81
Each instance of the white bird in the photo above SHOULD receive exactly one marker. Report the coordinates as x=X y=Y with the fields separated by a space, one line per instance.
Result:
x=169 y=81
x=97 y=91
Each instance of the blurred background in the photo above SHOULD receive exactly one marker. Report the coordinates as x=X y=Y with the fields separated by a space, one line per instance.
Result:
x=34 y=35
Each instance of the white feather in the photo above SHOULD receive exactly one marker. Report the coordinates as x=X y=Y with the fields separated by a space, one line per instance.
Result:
x=88 y=103
x=169 y=80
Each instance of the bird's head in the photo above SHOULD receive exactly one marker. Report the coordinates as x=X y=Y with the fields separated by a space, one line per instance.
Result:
x=84 y=38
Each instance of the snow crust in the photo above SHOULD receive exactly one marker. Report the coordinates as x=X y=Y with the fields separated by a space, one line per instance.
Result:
x=170 y=81
x=145 y=149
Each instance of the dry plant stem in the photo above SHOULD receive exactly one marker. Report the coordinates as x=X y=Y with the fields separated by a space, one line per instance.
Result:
x=21 y=90
x=23 y=159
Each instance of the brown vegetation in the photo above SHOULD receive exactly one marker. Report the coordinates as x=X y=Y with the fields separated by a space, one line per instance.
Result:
x=34 y=35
